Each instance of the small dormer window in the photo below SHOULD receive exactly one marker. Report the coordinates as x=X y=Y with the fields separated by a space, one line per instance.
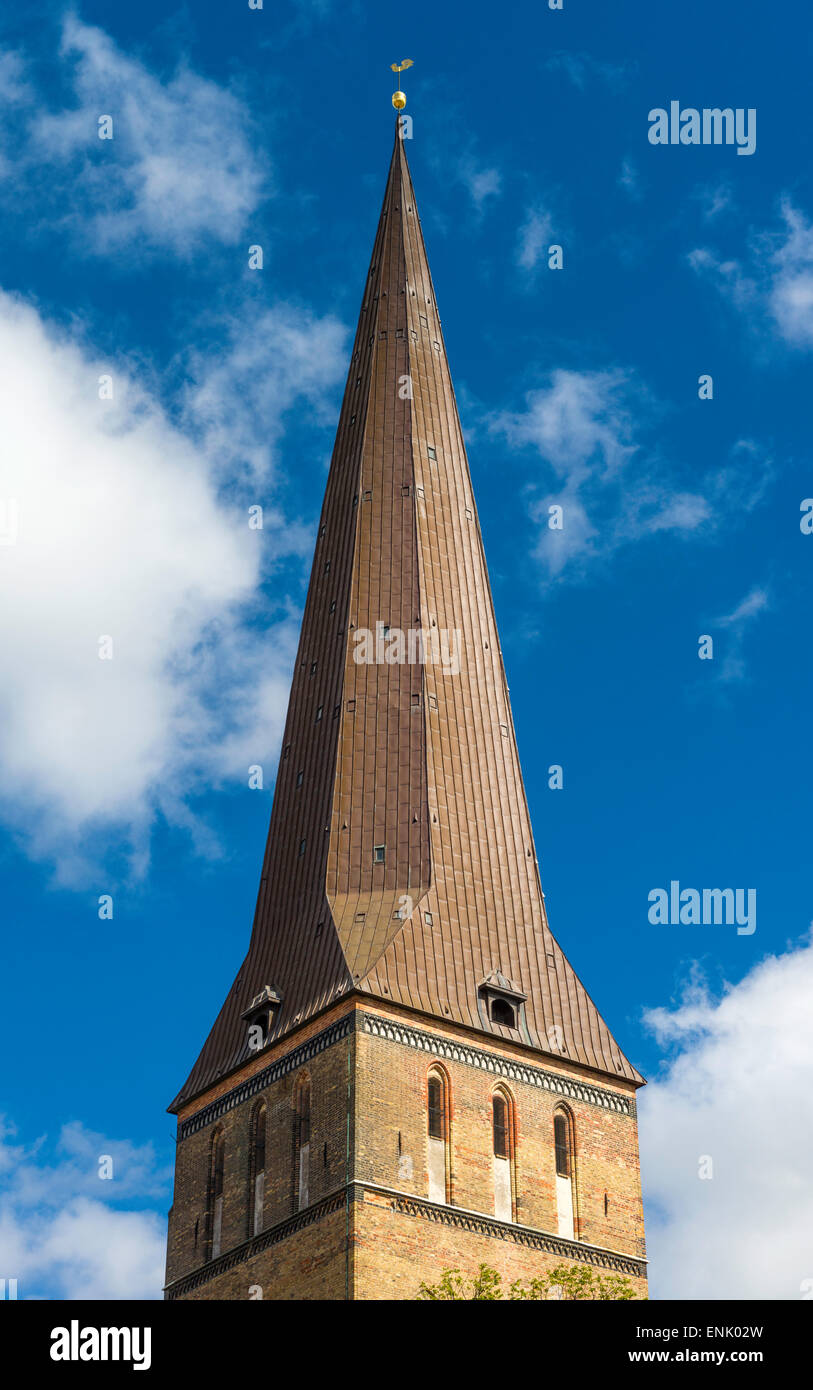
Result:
x=379 y=853
x=501 y=1004
x=259 y=1016
x=503 y=1012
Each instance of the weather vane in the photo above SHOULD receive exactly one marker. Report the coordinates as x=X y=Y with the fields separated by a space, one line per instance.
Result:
x=398 y=97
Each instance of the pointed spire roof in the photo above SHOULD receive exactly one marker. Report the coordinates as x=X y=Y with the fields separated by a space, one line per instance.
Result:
x=402 y=864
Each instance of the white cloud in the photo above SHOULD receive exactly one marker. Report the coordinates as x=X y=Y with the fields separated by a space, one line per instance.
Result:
x=736 y=1090
x=754 y=602
x=62 y=1232
x=581 y=68
x=15 y=94
x=791 y=292
x=773 y=282
x=535 y=236
x=629 y=179
x=579 y=418
x=732 y=667
x=124 y=532
x=271 y=359
x=590 y=429
x=481 y=183
x=714 y=199
x=14 y=88
x=181 y=167
x=729 y=276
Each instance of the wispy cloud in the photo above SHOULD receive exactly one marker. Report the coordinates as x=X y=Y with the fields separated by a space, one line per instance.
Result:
x=583 y=68
x=714 y=199
x=730 y=1094
x=14 y=86
x=732 y=668
x=266 y=362
x=629 y=179
x=66 y=1232
x=613 y=488
x=481 y=181
x=535 y=235
x=180 y=170
x=772 y=281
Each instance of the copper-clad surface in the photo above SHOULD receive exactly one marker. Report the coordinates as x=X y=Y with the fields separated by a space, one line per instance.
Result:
x=412 y=757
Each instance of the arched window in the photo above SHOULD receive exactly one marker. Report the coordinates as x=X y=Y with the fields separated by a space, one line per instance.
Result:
x=216 y=1192
x=500 y=1125
x=438 y=1135
x=302 y=1142
x=437 y=1126
x=564 y=1150
x=562 y=1142
x=256 y=1195
x=502 y=1128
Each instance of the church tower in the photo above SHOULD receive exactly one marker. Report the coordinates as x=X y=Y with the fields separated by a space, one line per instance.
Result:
x=407 y=1075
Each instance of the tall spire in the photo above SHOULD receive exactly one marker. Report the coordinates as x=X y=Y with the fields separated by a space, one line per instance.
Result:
x=400 y=861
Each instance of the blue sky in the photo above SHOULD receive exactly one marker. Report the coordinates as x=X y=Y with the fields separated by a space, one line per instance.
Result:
x=128 y=258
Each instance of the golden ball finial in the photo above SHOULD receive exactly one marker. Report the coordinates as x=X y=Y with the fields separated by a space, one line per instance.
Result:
x=398 y=97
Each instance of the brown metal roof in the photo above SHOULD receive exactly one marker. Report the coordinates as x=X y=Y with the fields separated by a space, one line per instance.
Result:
x=409 y=756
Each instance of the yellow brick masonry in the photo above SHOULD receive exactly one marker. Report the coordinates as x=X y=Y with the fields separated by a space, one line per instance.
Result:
x=369 y=1130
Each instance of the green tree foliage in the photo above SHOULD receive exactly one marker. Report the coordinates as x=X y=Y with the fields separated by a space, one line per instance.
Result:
x=563 y=1282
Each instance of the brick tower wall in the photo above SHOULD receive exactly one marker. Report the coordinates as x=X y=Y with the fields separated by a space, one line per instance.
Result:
x=399 y=1244
x=369 y=1230
x=331 y=1137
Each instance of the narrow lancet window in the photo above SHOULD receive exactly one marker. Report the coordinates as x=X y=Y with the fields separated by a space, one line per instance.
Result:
x=502 y=1125
x=302 y=1142
x=257 y=1170
x=438 y=1136
x=216 y=1190
x=564 y=1163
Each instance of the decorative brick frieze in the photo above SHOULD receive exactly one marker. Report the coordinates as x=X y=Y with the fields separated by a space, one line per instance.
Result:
x=519 y=1235
x=441 y=1047
x=450 y=1050
x=403 y=1204
x=261 y=1079
x=249 y=1248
